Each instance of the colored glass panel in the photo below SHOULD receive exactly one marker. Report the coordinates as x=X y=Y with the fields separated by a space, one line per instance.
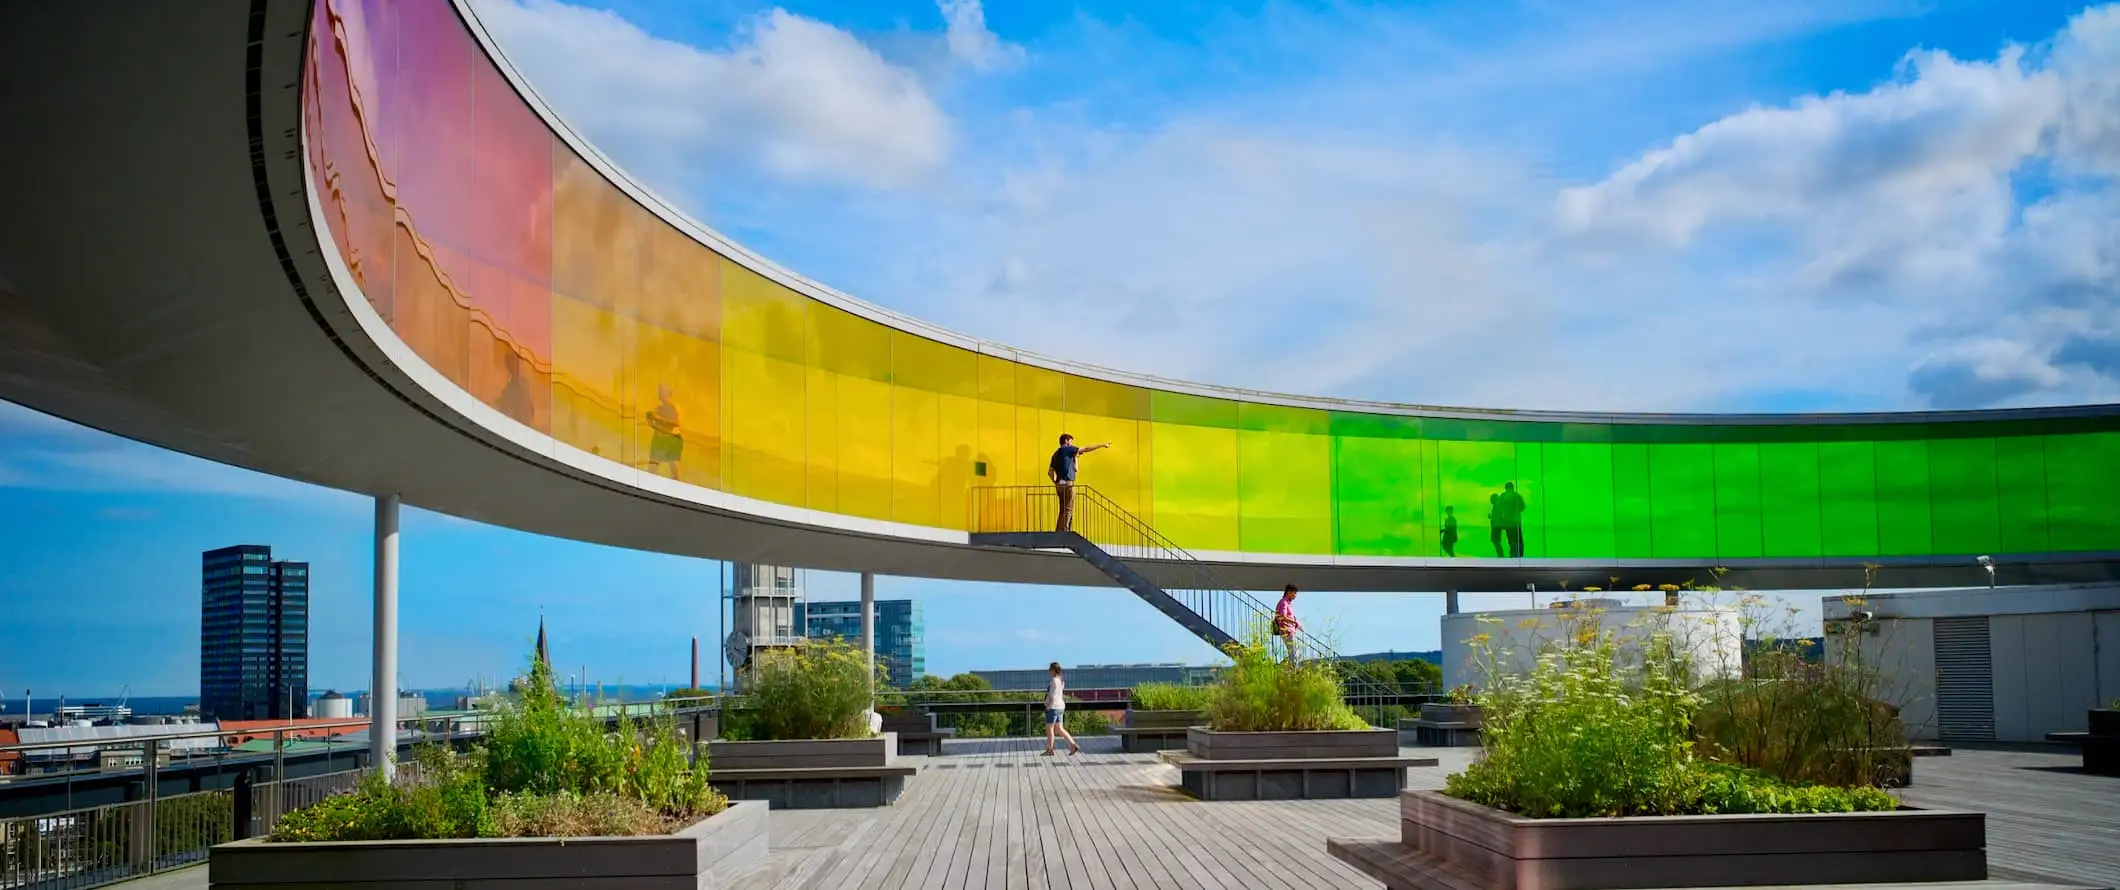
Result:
x=515 y=271
x=1789 y=500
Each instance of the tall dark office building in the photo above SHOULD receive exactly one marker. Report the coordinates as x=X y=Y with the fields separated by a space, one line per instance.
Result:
x=899 y=631
x=253 y=635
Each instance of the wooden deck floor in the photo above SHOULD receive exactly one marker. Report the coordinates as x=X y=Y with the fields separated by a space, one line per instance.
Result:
x=994 y=814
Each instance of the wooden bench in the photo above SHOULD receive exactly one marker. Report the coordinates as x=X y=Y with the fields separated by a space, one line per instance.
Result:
x=1144 y=740
x=917 y=733
x=1294 y=778
x=1400 y=867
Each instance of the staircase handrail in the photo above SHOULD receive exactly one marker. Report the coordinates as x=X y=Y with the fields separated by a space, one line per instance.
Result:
x=1179 y=555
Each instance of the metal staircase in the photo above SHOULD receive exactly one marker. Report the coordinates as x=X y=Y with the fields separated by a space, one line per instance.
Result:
x=1107 y=535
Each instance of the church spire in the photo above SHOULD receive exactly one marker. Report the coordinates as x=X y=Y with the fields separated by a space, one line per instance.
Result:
x=543 y=654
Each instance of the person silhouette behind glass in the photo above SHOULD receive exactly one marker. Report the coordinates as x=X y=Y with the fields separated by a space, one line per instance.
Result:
x=1509 y=520
x=667 y=444
x=1494 y=528
x=1450 y=531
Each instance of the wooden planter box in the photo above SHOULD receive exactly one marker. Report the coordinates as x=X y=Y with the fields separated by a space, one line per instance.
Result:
x=916 y=732
x=1503 y=851
x=712 y=853
x=810 y=773
x=2104 y=722
x=1208 y=744
x=1444 y=712
x=1174 y=720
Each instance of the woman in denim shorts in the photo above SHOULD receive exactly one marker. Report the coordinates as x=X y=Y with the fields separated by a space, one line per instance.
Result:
x=1056 y=714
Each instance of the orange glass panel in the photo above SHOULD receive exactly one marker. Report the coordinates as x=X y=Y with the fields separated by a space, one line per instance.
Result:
x=432 y=317
x=677 y=433
x=595 y=237
x=512 y=178
x=680 y=282
x=349 y=184
x=592 y=381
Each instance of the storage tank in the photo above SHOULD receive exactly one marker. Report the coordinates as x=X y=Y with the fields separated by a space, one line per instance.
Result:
x=1714 y=636
x=332 y=705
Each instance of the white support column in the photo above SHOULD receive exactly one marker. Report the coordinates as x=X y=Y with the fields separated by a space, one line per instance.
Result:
x=382 y=690
x=868 y=631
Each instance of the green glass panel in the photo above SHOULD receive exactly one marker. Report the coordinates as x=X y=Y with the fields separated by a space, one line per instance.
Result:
x=1737 y=522
x=1633 y=526
x=1788 y=500
x=2020 y=494
x=1847 y=497
x=1284 y=491
x=1579 y=500
x=1468 y=474
x=1377 y=484
x=1530 y=485
x=1191 y=410
x=2083 y=491
x=1904 y=520
x=1964 y=504
x=1283 y=419
x=1682 y=500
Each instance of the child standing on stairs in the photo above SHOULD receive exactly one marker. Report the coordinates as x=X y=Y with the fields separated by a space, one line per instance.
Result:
x=1056 y=714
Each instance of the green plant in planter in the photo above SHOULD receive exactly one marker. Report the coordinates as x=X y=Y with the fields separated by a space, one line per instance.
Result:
x=1260 y=692
x=544 y=770
x=819 y=691
x=1586 y=732
x=1171 y=697
x=1462 y=695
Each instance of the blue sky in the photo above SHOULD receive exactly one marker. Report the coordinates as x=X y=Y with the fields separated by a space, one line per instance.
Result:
x=1661 y=205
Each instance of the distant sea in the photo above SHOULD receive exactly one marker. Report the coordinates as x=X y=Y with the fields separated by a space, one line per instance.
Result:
x=147 y=705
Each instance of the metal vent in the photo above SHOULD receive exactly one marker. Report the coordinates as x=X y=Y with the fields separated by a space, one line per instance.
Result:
x=1965 y=680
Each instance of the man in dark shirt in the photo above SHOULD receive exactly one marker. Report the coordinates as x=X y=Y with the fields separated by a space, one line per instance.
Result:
x=1062 y=472
x=1509 y=519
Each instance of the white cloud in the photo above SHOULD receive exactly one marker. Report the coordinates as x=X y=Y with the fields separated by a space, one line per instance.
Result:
x=1318 y=233
x=796 y=97
x=970 y=41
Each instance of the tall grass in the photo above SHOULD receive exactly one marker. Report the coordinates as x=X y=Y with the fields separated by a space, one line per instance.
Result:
x=1260 y=692
x=1171 y=697
x=544 y=769
x=819 y=691
x=1590 y=731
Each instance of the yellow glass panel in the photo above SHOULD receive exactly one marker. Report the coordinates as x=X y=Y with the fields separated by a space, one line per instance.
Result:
x=845 y=343
x=678 y=381
x=680 y=282
x=1286 y=491
x=959 y=425
x=864 y=447
x=1195 y=481
x=592 y=378
x=997 y=423
x=822 y=408
x=758 y=315
x=931 y=366
x=1114 y=472
x=595 y=237
x=915 y=449
x=765 y=438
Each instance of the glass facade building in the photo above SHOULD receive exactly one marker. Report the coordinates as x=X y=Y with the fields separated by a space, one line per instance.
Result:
x=529 y=273
x=253 y=635
x=900 y=631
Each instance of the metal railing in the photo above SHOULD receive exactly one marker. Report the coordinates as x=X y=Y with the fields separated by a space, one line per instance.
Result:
x=92 y=846
x=1184 y=577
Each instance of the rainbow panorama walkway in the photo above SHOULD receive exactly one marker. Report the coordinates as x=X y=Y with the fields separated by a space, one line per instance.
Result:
x=994 y=814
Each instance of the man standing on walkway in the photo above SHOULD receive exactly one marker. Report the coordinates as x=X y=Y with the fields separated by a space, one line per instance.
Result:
x=1509 y=521
x=1062 y=472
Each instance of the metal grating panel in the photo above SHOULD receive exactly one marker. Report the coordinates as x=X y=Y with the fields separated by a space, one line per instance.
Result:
x=1965 y=680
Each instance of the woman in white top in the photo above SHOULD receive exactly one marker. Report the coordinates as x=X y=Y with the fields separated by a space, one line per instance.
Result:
x=1056 y=714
